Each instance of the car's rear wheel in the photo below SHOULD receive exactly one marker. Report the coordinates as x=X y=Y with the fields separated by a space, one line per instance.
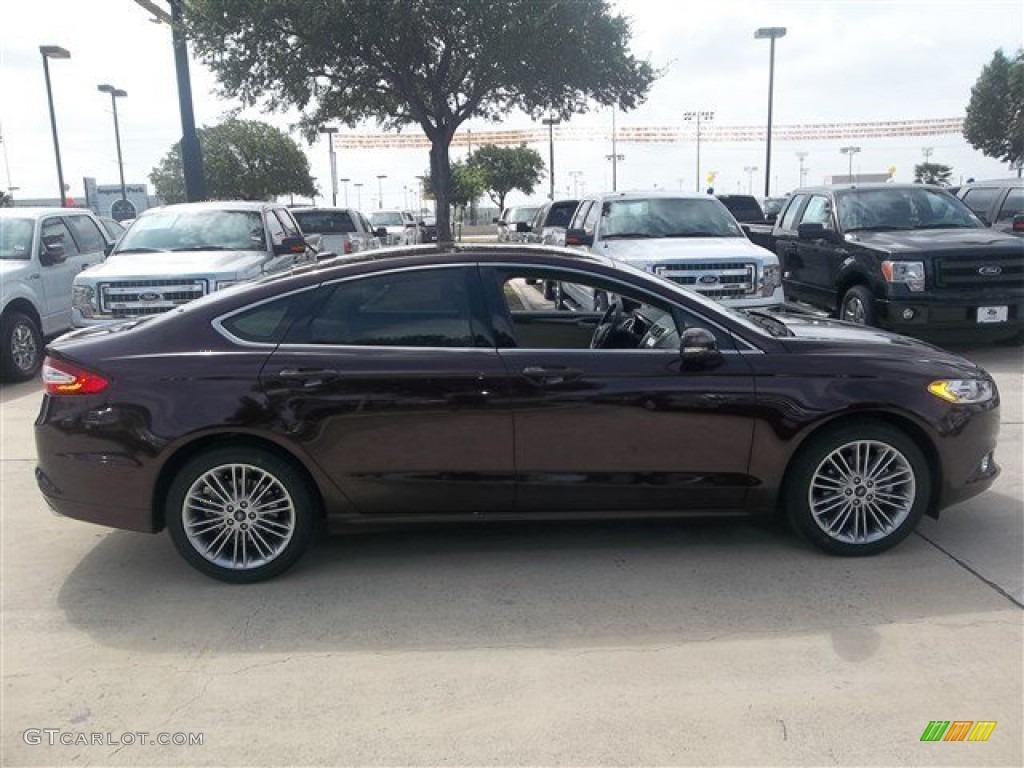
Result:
x=22 y=347
x=549 y=290
x=858 y=489
x=858 y=306
x=240 y=514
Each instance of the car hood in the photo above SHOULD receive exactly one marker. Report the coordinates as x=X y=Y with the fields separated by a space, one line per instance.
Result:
x=154 y=265
x=669 y=249
x=935 y=240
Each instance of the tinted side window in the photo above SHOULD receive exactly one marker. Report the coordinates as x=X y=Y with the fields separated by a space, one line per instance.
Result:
x=818 y=211
x=290 y=227
x=789 y=218
x=581 y=214
x=86 y=233
x=268 y=322
x=560 y=214
x=427 y=308
x=1012 y=205
x=55 y=232
x=980 y=199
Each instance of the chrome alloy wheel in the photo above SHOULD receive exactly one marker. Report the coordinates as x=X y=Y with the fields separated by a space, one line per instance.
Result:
x=861 y=492
x=854 y=311
x=24 y=350
x=238 y=516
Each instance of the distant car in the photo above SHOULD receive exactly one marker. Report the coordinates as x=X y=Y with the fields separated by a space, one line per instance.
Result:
x=772 y=206
x=409 y=386
x=510 y=217
x=428 y=229
x=400 y=226
x=997 y=203
x=744 y=208
x=343 y=231
x=549 y=224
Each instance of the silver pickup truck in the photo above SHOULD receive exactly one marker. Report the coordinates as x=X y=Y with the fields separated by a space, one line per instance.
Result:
x=41 y=251
x=177 y=253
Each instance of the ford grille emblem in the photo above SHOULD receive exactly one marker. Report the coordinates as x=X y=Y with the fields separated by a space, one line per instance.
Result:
x=150 y=296
x=708 y=279
x=990 y=271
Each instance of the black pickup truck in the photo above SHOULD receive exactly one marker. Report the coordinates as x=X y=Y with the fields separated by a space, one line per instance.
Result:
x=907 y=257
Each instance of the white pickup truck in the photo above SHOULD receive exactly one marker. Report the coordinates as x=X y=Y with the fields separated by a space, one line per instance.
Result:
x=691 y=240
x=344 y=231
x=41 y=251
x=177 y=253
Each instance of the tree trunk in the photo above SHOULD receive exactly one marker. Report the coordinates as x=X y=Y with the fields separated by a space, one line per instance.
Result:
x=501 y=203
x=439 y=176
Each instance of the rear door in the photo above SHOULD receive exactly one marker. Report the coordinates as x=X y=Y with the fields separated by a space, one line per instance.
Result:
x=814 y=265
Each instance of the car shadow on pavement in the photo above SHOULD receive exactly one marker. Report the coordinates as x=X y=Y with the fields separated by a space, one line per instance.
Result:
x=527 y=585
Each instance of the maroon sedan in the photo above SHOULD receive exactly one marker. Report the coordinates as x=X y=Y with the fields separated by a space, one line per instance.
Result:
x=432 y=384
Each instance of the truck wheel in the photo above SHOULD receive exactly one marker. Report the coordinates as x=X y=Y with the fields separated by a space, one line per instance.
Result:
x=549 y=290
x=858 y=306
x=600 y=301
x=22 y=347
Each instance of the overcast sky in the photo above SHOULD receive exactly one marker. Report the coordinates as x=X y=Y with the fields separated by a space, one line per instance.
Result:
x=839 y=62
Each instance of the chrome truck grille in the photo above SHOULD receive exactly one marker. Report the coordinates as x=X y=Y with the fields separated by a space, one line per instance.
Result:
x=132 y=298
x=724 y=280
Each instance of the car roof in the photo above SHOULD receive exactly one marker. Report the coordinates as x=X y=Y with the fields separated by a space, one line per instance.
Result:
x=645 y=194
x=25 y=213
x=1012 y=182
x=317 y=208
x=827 y=188
x=217 y=205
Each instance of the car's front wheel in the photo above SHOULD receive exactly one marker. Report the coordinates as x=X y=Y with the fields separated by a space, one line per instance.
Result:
x=240 y=514
x=22 y=347
x=858 y=306
x=858 y=489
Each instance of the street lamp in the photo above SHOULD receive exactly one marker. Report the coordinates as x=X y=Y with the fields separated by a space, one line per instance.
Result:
x=380 y=193
x=697 y=116
x=345 y=184
x=850 y=152
x=330 y=130
x=54 y=52
x=771 y=33
x=551 y=122
x=801 y=156
x=115 y=94
x=750 y=171
x=359 y=195
x=575 y=182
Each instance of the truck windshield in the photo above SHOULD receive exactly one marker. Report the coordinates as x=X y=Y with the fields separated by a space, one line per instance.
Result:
x=902 y=208
x=667 y=217
x=184 y=230
x=16 y=239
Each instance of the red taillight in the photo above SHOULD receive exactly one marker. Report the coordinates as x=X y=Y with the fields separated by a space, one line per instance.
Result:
x=347 y=248
x=63 y=378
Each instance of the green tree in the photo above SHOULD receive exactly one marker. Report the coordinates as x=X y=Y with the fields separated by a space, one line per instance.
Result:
x=431 y=63
x=243 y=160
x=508 y=168
x=466 y=182
x=932 y=173
x=995 y=114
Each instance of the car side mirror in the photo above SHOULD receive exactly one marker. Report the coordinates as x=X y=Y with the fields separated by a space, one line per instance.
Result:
x=814 y=231
x=53 y=253
x=380 y=232
x=578 y=237
x=290 y=245
x=1018 y=222
x=522 y=226
x=698 y=349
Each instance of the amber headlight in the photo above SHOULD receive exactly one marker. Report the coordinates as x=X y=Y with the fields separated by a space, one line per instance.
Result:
x=963 y=391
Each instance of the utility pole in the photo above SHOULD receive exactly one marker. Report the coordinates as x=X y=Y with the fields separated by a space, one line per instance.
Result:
x=697 y=116
x=801 y=156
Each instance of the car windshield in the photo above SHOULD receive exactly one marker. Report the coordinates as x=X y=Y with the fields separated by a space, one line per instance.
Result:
x=667 y=217
x=899 y=208
x=386 y=219
x=515 y=215
x=324 y=222
x=16 y=239
x=191 y=230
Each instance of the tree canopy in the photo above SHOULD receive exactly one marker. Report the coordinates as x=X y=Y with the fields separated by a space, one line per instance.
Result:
x=995 y=114
x=507 y=168
x=244 y=160
x=932 y=173
x=466 y=182
x=431 y=63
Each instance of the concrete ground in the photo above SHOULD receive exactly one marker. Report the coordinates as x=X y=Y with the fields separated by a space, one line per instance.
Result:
x=631 y=643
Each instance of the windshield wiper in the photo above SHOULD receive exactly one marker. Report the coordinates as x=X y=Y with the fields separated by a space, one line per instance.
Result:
x=202 y=248
x=946 y=225
x=773 y=325
x=140 y=250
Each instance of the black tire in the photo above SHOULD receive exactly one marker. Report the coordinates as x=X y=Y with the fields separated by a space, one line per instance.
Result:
x=22 y=347
x=1017 y=340
x=600 y=301
x=271 y=484
x=549 y=290
x=817 y=496
x=858 y=306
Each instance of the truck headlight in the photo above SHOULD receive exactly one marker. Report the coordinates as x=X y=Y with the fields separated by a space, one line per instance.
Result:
x=910 y=273
x=771 y=278
x=963 y=391
x=83 y=299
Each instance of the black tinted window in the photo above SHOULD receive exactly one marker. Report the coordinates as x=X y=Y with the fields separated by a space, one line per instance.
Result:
x=428 y=308
x=325 y=222
x=86 y=233
x=267 y=322
x=789 y=219
x=1012 y=205
x=561 y=214
x=980 y=199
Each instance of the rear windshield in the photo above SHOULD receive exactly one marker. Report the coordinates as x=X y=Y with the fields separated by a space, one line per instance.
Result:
x=561 y=214
x=743 y=207
x=325 y=222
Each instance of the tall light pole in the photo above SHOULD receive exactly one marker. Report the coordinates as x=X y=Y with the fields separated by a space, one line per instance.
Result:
x=330 y=130
x=697 y=116
x=772 y=34
x=115 y=94
x=614 y=156
x=54 y=52
x=359 y=195
x=551 y=122
x=575 y=182
x=380 y=193
x=801 y=156
x=850 y=152
x=750 y=171
x=344 y=183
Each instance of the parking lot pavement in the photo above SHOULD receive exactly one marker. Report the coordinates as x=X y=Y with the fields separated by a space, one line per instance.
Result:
x=627 y=643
